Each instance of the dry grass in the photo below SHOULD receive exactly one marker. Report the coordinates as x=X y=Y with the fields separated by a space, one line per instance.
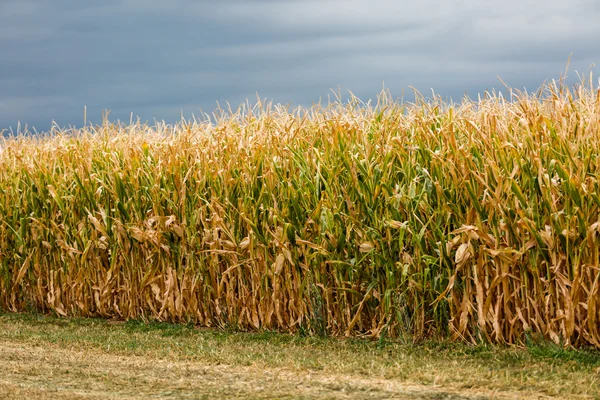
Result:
x=477 y=221
x=87 y=359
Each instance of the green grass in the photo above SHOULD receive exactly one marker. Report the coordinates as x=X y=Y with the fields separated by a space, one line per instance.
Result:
x=444 y=367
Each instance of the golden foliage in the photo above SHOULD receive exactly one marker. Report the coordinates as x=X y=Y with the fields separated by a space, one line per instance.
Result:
x=476 y=220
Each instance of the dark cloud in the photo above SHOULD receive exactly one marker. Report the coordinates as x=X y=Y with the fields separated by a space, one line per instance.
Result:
x=157 y=59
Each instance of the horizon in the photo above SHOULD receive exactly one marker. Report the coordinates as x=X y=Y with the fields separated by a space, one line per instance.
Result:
x=507 y=94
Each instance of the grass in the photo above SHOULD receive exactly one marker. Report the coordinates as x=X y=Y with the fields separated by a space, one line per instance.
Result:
x=62 y=357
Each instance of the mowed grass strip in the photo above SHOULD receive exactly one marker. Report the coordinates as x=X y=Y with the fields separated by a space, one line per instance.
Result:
x=91 y=358
x=476 y=221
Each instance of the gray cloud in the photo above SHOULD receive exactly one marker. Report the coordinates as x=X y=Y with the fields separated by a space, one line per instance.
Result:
x=157 y=59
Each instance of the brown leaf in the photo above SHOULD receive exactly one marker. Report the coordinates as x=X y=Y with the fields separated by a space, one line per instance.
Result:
x=462 y=254
x=366 y=247
x=278 y=265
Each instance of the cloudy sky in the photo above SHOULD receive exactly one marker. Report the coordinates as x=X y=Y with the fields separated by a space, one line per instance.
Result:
x=157 y=59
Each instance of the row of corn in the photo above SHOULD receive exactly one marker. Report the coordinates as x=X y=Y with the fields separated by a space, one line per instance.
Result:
x=476 y=221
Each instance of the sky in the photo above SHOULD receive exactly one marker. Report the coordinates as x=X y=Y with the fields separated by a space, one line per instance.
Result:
x=159 y=60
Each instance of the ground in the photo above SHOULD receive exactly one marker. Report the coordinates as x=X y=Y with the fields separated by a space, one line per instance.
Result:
x=46 y=357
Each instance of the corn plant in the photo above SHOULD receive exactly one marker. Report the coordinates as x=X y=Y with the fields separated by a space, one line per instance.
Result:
x=476 y=221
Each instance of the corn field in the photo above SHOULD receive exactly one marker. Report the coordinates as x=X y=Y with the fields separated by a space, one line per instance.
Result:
x=477 y=221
